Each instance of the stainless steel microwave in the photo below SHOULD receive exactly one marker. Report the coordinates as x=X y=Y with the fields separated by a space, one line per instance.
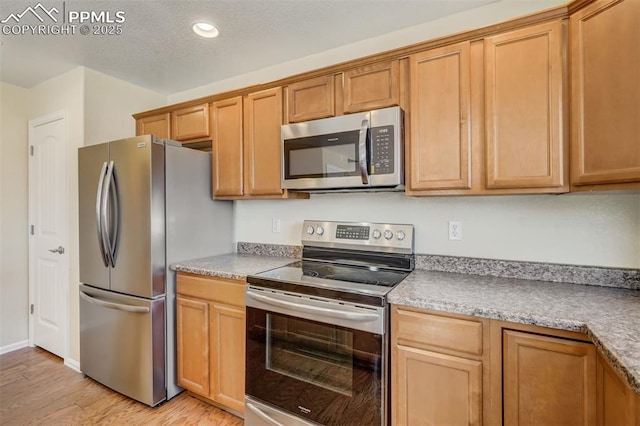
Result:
x=356 y=151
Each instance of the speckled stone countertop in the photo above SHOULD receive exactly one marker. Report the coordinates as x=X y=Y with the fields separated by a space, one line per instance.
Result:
x=610 y=317
x=235 y=266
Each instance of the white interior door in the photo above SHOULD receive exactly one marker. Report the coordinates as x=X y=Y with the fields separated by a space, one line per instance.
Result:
x=48 y=257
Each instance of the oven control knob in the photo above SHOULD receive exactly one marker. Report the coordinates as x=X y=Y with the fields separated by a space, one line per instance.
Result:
x=319 y=230
x=388 y=234
x=377 y=234
x=400 y=235
x=310 y=230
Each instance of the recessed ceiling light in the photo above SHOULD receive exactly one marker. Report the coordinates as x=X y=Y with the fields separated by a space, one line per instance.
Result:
x=204 y=29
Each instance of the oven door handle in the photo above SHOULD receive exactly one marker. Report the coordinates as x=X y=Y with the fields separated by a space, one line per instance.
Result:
x=334 y=313
x=264 y=416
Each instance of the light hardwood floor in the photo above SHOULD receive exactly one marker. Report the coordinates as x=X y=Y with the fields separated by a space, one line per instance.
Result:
x=36 y=388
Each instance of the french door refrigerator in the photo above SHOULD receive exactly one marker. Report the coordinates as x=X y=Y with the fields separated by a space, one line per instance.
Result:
x=145 y=203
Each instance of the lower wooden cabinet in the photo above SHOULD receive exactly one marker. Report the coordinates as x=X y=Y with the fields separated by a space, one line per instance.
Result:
x=437 y=369
x=449 y=369
x=211 y=339
x=548 y=380
x=453 y=395
x=617 y=403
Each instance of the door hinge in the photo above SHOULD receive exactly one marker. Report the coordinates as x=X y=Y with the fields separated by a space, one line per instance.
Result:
x=33 y=230
x=31 y=150
x=32 y=309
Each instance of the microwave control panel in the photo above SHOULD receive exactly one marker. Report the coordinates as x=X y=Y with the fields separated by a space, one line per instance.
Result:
x=382 y=149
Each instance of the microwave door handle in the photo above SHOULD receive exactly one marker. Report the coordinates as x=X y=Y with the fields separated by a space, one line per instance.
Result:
x=362 y=145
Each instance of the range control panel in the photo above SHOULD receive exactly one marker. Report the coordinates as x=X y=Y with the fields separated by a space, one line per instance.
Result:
x=385 y=237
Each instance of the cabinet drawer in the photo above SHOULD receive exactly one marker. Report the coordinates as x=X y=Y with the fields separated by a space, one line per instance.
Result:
x=436 y=331
x=216 y=289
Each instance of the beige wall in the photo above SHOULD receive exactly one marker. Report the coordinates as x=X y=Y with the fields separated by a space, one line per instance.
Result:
x=109 y=103
x=66 y=93
x=98 y=109
x=601 y=229
x=14 y=247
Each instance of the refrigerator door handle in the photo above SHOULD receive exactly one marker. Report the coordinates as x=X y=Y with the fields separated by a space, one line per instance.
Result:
x=114 y=227
x=112 y=305
x=104 y=214
x=101 y=241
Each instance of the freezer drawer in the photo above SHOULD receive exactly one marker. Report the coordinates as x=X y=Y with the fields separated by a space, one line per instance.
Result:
x=122 y=343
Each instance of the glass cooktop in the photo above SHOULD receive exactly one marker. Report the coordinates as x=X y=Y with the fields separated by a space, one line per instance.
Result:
x=320 y=275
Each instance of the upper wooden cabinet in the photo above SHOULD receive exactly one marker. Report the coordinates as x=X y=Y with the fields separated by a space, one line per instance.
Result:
x=525 y=119
x=157 y=125
x=372 y=86
x=311 y=99
x=605 y=94
x=440 y=143
x=227 y=148
x=262 y=121
x=246 y=146
x=190 y=123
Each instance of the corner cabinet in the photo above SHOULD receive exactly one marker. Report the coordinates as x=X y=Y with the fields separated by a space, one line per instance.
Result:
x=211 y=339
x=548 y=380
x=525 y=109
x=605 y=95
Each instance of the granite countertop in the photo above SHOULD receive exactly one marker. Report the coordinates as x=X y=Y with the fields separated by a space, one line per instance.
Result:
x=233 y=265
x=610 y=317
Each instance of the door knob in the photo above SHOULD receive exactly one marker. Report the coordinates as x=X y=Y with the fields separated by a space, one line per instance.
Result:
x=59 y=250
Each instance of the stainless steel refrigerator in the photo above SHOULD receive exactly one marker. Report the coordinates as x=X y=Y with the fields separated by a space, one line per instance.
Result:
x=144 y=203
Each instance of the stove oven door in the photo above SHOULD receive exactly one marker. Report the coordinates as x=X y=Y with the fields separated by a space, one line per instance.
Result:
x=317 y=359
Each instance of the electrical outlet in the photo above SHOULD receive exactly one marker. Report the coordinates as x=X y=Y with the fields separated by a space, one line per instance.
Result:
x=275 y=225
x=455 y=230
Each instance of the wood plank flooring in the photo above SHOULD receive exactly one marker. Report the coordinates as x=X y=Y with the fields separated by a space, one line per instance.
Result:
x=37 y=389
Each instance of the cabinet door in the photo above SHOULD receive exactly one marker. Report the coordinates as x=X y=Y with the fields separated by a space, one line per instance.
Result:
x=372 y=86
x=616 y=400
x=262 y=119
x=605 y=93
x=524 y=117
x=192 y=319
x=548 y=381
x=190 y=123
x=440 y=119
x=435 y=389
x=310 y=99
x=226 y=146
x=157 y=125
x=228 y=357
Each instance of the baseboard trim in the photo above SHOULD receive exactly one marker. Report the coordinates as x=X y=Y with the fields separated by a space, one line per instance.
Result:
x=14 y=346
x=72 y=364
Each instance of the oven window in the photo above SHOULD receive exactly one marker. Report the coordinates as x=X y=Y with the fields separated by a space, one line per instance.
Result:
x=323 y=160
x=314 y=353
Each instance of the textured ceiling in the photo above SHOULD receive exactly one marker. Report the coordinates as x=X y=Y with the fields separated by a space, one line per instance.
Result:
x=158 y=50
